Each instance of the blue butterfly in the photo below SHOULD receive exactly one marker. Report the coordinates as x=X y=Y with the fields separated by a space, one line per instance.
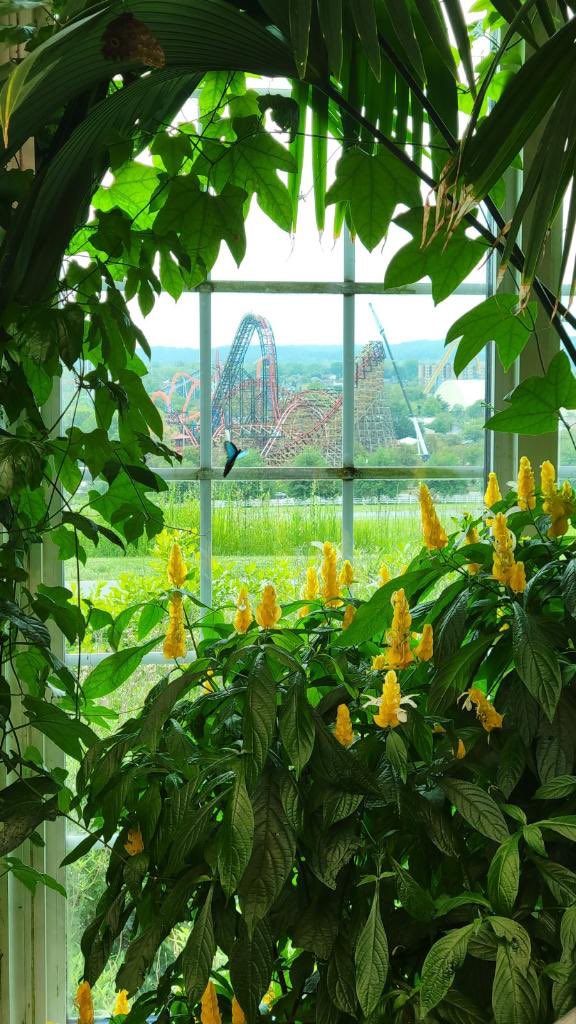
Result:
x=232 y=453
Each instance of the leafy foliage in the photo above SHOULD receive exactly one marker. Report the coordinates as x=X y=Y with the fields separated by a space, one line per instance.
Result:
x=425 y=868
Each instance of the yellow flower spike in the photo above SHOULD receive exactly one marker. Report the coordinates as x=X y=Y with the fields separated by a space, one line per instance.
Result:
x=560 y=506
x=349 y=616
x=517 y=578
x=503 y=555
x=207 y=686
x=492 y=494
x=238 y=1016
x=425 y=648
x=175 y=640
x=84 y=1004
x=384 y=575
x=526 y=486
x=121 y=1006
x=439 y=729
x=390 y=705
x=177 y=570
x=343 y=731
x=432 y=530
x=329 y=574
x=460 y=751
x=379 y=662
x=486 y=713
x=547 y=481
x=472 y=537
x=268 y=611
x=243 y=617
x=347 y=574
x=134 y=843
x=399 y=654
x=210 y=1013
x=310 y=590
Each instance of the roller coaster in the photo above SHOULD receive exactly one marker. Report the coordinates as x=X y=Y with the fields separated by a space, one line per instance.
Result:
x=277 y=422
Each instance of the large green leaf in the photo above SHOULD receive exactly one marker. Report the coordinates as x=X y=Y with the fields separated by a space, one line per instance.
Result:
x=251 y=967
x=496 y=319
x=515 y=992
x=371 y=958
x=297 y=727
x=534 y=406
x=477 y=808
x=115 y=670
x=132 y=190
x=504 y=876
x=445 y=263
x=236 y=837
x=272 y=853
x=204 y=220
x=373 y=186
x=252 y=164
x=259 y=717
x=536 y=662
x=441 y=964
x=199 y=952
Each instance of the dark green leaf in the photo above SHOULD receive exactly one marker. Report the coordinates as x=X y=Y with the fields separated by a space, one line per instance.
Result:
x=259 y=717
x=536 y=662
x=444 y=959
x=115 y=670
x=297 y=727
x=251 y=967
x=515 y=993
x=371 y=958
x=199 y=952
x=477 y=808
x=504 y=877
x=236 y=837
x=272 y=853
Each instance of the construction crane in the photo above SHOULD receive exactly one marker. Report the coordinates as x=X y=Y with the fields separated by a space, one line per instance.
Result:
x=422 y=446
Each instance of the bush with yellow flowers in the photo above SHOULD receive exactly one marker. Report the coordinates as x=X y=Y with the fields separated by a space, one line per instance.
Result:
x=370 y=812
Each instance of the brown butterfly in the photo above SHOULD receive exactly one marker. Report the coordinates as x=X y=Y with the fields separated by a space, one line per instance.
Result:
x=128 y=39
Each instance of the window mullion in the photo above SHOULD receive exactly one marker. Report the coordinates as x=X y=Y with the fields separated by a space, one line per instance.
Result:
x=205 y=312
x=348 y=339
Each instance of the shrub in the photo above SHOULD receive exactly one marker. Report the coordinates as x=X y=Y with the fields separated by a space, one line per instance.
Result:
x=377 y=820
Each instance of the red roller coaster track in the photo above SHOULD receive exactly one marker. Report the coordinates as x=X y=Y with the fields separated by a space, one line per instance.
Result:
x=274 y=421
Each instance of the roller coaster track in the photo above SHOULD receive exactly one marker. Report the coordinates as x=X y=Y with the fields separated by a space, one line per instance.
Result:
x=279 y=424
x=267 y=405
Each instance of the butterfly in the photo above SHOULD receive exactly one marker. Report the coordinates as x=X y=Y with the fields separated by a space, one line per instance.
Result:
x=129 y=39
x=232 y=453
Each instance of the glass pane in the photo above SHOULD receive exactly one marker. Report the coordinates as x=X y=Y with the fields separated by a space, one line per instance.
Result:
x=409 y=407
x=264 y=533
x=173 y=380
x=113 y=581
x=277 y=378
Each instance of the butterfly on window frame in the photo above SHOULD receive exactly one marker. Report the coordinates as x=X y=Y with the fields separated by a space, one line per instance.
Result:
x=232 y=453
x=129 y=39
